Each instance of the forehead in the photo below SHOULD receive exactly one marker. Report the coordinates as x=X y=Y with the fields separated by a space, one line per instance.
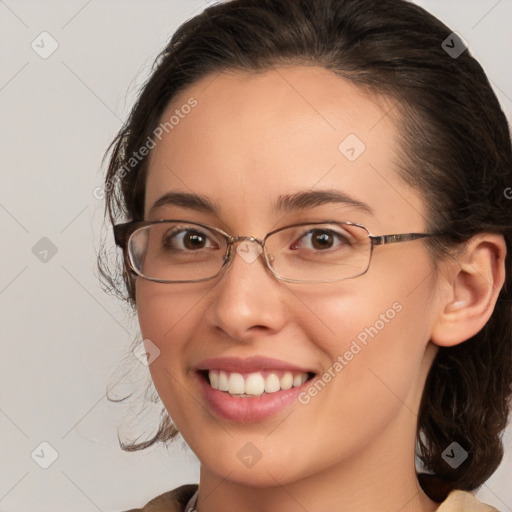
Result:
x=251 y=137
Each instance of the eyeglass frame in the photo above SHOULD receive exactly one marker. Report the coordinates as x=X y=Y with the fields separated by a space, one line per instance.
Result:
x=123 y=232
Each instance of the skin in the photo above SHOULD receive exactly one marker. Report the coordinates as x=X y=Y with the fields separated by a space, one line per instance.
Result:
x=251 y=138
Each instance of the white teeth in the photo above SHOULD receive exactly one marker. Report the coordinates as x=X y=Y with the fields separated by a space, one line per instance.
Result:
x=214 y=379
x=236 y=384
x=286 y=381
x=297 y=380
x=272 y=383
x=255 y=384
x=223 y=381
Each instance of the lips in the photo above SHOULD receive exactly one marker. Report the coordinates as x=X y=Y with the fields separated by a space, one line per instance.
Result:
x=250 y=389
x=249 y=365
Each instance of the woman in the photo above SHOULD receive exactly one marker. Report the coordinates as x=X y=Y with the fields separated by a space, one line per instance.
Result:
x=310 y=197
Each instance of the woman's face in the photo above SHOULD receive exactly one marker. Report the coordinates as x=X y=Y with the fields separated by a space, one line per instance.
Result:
x=250 y=140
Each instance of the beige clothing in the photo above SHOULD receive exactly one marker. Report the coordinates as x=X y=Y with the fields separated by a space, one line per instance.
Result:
x=176 y=501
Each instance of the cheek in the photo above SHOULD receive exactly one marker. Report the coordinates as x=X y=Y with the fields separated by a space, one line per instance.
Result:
x=167 y=315
x=375 y=332
x=349 y=312
x=374 y=374
x=164 y=309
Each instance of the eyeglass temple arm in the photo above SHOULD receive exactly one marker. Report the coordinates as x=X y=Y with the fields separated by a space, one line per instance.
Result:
x=392 y=239
x=121 y=233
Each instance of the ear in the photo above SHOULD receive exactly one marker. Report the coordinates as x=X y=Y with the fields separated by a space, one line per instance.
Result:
x=470 y=285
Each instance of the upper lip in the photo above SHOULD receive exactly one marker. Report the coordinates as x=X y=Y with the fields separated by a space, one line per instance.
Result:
x=248 y=365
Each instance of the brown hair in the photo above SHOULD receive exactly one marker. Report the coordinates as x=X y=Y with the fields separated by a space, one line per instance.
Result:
x=456 y=149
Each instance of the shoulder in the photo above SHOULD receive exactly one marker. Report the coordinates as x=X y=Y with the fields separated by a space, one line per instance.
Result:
x=175 y=501
x=172 y=501
x=462 y=501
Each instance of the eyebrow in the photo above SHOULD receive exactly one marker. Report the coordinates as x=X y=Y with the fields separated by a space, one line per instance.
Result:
x=186 y=200
x=284 y=204
x=314 y=198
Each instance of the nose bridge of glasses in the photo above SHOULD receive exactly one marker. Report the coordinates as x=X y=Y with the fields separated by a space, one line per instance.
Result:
x=248 y=248
x=237 y=240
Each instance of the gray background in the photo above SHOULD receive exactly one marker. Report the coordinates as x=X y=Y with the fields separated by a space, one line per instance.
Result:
x=62 y=338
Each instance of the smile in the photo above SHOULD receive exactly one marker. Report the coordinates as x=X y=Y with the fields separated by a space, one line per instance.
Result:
x=256 y=383
x=250 y=389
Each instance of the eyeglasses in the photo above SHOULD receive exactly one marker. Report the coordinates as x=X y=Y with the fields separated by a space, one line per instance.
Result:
x=179 y=251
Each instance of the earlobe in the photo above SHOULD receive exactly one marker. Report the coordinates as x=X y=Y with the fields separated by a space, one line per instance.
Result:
x=471 y=285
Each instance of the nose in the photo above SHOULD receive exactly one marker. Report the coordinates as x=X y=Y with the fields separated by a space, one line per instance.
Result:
x=248 y=300
x=248 y=248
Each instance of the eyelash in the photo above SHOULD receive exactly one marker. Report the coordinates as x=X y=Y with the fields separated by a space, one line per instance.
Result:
x=342 y=238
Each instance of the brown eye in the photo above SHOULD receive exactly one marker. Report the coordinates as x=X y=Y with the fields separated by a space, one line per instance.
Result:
x=187 y=240
x=321 y=240
x=194 y=240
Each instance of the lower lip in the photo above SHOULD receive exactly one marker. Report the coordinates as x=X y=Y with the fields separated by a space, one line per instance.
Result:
x=249 y=409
